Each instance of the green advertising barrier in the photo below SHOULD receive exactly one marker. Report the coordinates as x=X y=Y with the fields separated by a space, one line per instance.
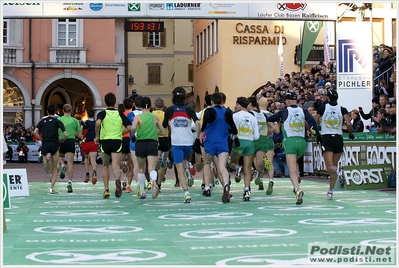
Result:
x=6 y=201
x=364 y=177
x=369 y=150
x=6 y=195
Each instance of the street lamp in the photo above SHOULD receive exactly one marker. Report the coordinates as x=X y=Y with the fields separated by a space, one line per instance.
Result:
x=130 y=79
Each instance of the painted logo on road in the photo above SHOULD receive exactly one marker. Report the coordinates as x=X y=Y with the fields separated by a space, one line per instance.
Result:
x=283 y=259
x=178 y=204
x=76 y=229
x=86 y=256
x=197 y=216
x=380 y=242
x=289 y=207
x=238 y=233
x=351 y=221
x=83 y=213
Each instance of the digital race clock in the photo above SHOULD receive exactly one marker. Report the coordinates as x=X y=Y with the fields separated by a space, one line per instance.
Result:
x=144 y=26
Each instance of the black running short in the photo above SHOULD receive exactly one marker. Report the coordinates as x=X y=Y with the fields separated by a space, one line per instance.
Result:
x=164 y=144
x=68 y=146
x=146 y=148
x=50 y=147
x=126 y=145
x=111 y=146
x=333 y=143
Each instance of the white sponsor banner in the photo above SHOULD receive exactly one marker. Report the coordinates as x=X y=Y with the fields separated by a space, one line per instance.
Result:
x=293 y=11
x=201 y=10
x=354 y=65
x=17 y=182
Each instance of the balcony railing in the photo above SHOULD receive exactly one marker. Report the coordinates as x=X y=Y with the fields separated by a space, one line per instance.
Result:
x=68 y=55
x=12 y=55
x=315 y=55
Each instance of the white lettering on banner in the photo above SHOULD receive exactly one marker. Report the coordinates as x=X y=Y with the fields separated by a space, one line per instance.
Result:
x=351 y=156
x=363 y=176
x=17 y=182
x=354 y=222
x=277 y=259
x=111 y=257
x=238 y=233
x=357 y=155
x=245 y=246
x=198 y=216
x=381 y=155
x=112 y=229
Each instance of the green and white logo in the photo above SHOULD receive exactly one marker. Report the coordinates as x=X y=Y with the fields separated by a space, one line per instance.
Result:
x=134 y=7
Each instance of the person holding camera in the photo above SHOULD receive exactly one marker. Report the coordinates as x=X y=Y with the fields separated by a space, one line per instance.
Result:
x=23 y=151
x=375 y=104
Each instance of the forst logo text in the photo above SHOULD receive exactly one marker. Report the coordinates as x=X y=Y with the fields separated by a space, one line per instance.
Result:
x=363 y=176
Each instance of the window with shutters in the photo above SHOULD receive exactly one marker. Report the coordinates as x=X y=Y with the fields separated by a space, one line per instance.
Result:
x=154 y=73
x=155 y=39
x=5 y=31
x=191 y=72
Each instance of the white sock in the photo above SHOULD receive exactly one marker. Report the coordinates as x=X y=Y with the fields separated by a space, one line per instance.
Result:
x=153 y=175
x=141 y=181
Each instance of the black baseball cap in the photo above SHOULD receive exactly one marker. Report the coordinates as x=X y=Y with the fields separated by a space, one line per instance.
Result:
x=289 y=95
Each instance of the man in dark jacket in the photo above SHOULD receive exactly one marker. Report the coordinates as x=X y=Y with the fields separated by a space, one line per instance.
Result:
x=375 y=104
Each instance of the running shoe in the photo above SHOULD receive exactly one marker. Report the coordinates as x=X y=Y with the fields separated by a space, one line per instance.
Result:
x=69 y=187
x=106 y=193
x=189 y=177
x=128 y=189
x=149 y=186
x=226 y=194
x=187 y=198
x=177 y=185
x=52 y=191
x=193 y=171
x=299 y=195
x=269 y=190
x=216 y=181
x=258 y=177
x=267 y=163
x=94 y=177
x=238 y=173
x=118 y=188
x=154 y=190
x=329 y=194
x=246 y=196
x=203 y=186
x=63 y=170
x=124 y=183
x=87 y=178
x=261 y=188
x=143 y=196
x=206 y=192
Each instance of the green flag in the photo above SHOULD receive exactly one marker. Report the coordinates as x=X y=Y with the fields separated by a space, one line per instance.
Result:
x=311 y=30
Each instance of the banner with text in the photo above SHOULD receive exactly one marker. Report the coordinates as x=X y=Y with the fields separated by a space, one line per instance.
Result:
x=354 y=65
x=17 y=182
x=366 y=176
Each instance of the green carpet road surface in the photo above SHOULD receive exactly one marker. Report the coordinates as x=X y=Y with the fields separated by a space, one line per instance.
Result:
x=82 y=228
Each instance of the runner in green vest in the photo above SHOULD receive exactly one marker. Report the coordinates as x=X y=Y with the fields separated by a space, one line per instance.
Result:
x=110 y=140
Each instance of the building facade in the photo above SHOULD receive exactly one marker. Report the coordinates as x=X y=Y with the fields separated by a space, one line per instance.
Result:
x=238 y=57
x=59 y=61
